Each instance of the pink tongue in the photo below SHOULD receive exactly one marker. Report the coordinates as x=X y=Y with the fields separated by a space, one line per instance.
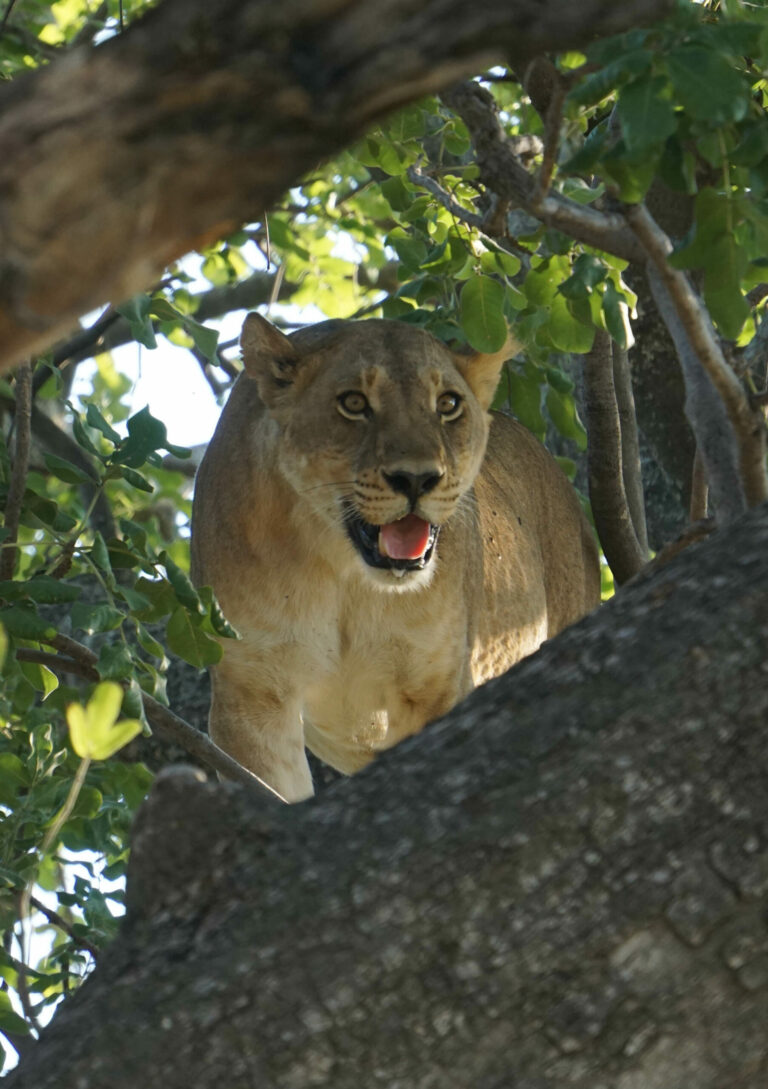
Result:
x=406 y=539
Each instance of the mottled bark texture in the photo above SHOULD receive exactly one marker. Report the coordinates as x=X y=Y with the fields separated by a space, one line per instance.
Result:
x=562 y=884
x=117 y=160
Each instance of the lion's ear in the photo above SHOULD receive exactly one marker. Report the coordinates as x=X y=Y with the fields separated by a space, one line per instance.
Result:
x=269 y=358
x=481 y=370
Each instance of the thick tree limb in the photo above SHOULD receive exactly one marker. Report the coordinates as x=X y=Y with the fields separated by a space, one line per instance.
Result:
x=613 y=518
x=692 y=325
x=562 y=885
x=198 y=117
x=502 y=172
x=716 y=438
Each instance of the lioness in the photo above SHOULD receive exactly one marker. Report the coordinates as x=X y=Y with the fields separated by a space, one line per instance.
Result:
x=376 y=559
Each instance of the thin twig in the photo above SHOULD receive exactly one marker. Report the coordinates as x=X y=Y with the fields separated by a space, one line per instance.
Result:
x=695 y=326
x=58 y=920
x=7 y=15
x=418 y=177
x=18 y=481
x=630 y=444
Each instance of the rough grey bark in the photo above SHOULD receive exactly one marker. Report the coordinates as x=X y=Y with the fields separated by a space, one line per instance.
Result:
x=562 y=884
x=117 y=160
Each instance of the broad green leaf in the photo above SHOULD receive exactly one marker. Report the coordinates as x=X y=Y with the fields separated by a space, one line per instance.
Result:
x=95 y=618
x=647 y=118
x=615 y=311
x=136 y=311
x=185 y=592
x=525 y=402
x=25 y=623
x=10 y=1021
x=40 y=588
x=40 y=677
x=722 y=290
x=82 y=436
x=187 y=639
x=97 y=421
x=206 y=340
x=115 y=662
x=567 y=333
x=94 y=730
x=145 y=435
x=482 y=314
x=66 y=471
x=708 y=87
x=136 y=479
x=563 y=413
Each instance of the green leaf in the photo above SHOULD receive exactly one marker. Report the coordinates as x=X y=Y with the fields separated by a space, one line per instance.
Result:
x=722 y=290
x=482 y=314
x=187 y=639
x=40 y=588
x=66 y=471
x=94 y=730
x=568 y=334
x=136 y=311
x=96 y=420
x=136 y=479
x=647 y=118
x=185 y=592
x=82 y=436
x=206 y=340
x=708 y=87
x=219 y=623
x=40 y=677
x=25 y=623
x=562 y=411
x=99 y=553
x=525 y=401
x=95 y=618
x=615 y=311
x=10 y=1021
x=115 y=662
x=145 y=435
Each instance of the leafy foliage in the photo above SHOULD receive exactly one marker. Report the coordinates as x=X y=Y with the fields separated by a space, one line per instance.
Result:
x=404 y=226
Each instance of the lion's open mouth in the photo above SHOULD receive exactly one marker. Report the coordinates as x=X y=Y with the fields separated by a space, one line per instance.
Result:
x=405 y=545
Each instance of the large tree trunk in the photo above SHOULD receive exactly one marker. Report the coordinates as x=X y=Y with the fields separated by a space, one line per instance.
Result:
x=562 y=884
x=116 y=161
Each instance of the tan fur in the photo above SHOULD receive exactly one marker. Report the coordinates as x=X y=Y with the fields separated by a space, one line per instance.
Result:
x=343 y=657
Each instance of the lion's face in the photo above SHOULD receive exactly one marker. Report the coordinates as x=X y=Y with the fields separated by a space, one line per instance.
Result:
x=382 y=430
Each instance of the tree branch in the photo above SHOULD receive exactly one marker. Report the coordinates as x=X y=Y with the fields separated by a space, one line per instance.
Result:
x=75 y=658
x=630 y=444
x=502 y=172
x=695 y=338
x=716 y=439
x=59 y=921
x=610 y=509
x=156 y=148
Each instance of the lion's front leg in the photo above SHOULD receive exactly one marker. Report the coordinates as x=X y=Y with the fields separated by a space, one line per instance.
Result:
x=261 y=727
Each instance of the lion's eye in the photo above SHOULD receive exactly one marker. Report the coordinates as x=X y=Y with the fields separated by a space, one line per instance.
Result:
x=353 y=404
x=449 y=405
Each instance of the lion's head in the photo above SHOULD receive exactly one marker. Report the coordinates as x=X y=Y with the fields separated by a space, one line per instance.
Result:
x=381 y=429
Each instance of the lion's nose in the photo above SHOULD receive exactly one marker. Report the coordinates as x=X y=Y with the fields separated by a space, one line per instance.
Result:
x=413 y=485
